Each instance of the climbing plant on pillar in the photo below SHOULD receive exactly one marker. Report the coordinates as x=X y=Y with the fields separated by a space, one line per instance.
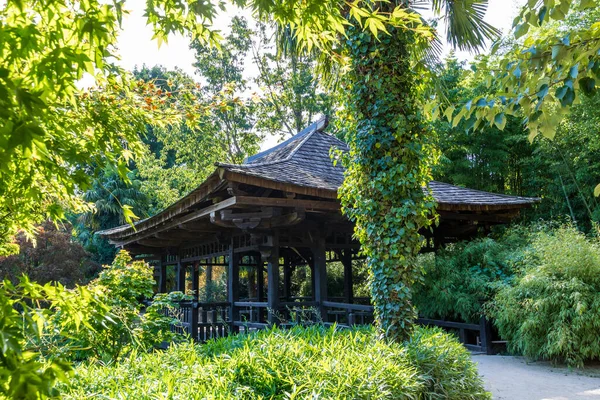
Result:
x=387 y=167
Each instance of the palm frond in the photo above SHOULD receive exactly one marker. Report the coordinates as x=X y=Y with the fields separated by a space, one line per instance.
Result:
x=465 y=27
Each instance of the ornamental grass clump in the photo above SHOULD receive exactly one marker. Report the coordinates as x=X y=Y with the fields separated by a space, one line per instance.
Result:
x=313 y=362
x=552 y=311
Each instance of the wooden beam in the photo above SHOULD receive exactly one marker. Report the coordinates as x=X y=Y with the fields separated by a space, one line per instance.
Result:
x=307 y=205
x=285 y=187
x=181 y=220
x=502 y=218
x=160 y=243
x=237 y=201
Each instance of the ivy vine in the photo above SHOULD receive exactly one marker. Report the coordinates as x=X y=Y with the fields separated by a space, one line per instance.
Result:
x=388 y=164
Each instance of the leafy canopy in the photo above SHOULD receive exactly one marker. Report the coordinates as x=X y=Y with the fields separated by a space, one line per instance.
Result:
x=552 y=61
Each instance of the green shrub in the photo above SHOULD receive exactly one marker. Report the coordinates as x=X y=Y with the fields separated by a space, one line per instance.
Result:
x=552 y=311
x=110 y=321
x=461 y=277
x=314 y=362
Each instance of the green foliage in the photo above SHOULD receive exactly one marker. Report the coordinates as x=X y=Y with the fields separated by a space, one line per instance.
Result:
x=553 y=308
x=552 y=62
x=109 y=196
x=126 y=283
x=111 y=322
x=562 y=172
x=289 y=97
x=54 y=257
x=27 y=310
x=48 y=127
x=461 y=277
x=297 y=363
x=231 y=122
x=386 y=168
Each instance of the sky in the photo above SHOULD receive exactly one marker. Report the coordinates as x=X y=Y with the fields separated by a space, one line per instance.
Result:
x=137 y=48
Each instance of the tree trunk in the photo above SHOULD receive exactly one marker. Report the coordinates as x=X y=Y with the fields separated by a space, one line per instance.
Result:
x=388 y=164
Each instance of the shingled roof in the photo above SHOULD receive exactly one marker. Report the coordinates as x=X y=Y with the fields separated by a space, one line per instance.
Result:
x=304 y=162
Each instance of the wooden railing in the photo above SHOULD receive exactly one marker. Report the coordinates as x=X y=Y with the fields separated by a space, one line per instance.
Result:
x=348 y=315
x=202 y=321
x=205 y=321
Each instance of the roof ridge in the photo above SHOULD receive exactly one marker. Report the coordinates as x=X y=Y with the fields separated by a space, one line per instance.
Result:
x=261 y=164
x=305 y=134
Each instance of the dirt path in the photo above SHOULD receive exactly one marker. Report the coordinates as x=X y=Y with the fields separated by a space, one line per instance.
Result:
x=511 y=378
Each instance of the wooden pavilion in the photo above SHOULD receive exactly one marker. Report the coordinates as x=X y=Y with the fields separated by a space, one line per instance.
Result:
x=280 y=210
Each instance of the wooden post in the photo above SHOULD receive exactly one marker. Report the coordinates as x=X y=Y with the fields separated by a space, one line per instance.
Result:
x=162 y=281
x=233 y=292
x=287 y=278
x=252 y=283
x=260 y=280
x=485 y=335
x=273 y=280
x=195 y=281
x=320 y=273
x=194 y=317
x=348 y=278
x=180 y=276
x=207 y=282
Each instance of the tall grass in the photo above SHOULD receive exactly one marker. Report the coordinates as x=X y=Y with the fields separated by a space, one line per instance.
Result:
x=552 y=310
x=299 y=363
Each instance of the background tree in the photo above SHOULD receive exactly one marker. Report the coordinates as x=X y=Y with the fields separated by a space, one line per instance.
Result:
x=562 y=171
x=56 y=257
x=552 y=61
x=232 y=122
x=47 y=126
x=177 y=158
x=290 y=95
x=109 y=195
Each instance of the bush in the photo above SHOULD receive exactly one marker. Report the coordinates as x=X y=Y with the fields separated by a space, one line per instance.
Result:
x=459 y=278
x=55 y=257
x=314 y=362
x=110 y=322
x=552 y=311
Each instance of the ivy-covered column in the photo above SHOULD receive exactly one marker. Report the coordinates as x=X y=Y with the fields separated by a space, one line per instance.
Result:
x=387 y=167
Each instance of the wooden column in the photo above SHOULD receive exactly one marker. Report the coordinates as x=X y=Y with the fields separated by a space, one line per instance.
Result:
x=287 y=278
x=233 y=290
x=320 y=274
x=162 y=279
x=260 y=280
x=195 y=280
x=273 y=280
x=180 y=276
x=348 y=278
x=207 y=281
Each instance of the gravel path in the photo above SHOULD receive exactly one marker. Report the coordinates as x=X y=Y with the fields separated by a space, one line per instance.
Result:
x=512 y=378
